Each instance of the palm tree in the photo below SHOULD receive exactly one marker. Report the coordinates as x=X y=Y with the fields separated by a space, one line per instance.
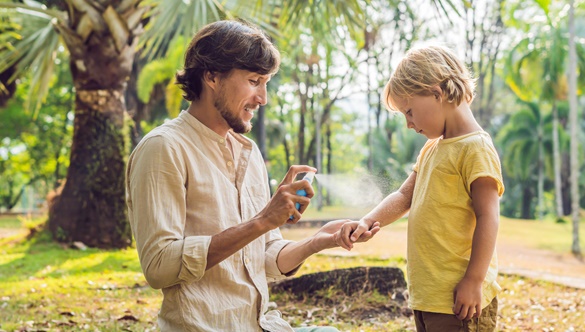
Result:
x=573 y=120
x=524 y=141
x=536 y=71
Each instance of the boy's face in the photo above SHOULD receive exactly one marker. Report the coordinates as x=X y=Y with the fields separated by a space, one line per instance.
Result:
x=424 y=114
x=240 y=94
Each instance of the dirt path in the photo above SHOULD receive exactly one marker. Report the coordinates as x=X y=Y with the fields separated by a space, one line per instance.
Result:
x=514 y=259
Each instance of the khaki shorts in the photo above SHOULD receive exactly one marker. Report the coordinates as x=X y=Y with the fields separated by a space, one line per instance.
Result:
x=434 y=322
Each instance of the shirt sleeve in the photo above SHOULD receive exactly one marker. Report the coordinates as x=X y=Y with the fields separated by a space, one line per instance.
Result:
x=482 y=160
x=156 y=206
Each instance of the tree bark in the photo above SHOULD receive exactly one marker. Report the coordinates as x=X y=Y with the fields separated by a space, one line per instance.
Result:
x=526 y=204
x=557 y=164
x=574 y=130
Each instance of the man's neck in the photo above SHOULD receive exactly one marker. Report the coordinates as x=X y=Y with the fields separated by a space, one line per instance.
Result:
x=208 y=115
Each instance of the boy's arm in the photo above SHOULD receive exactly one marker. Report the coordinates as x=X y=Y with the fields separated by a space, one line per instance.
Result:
x=389 y=210
x=486 y=205
x=328 y=236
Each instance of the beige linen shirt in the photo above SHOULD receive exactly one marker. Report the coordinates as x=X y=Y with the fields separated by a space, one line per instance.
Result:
x=184 y=185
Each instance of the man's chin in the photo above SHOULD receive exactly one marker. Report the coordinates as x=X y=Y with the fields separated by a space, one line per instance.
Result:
x=244 y=129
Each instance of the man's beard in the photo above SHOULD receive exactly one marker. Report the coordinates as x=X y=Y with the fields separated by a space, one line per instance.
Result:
x=237 y=124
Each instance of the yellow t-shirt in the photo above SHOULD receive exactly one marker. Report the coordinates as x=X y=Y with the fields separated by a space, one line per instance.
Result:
x=441 y=221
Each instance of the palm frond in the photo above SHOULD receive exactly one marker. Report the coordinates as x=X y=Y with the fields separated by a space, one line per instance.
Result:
x=173 y=18
x=34 y=52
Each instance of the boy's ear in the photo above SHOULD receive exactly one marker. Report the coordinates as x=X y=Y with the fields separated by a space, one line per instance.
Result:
x=437 y=92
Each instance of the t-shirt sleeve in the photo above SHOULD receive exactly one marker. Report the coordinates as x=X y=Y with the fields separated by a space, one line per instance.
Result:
x=482 y=160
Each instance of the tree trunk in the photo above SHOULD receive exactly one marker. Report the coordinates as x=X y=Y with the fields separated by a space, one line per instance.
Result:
x=318 y=156
x=329 y=160
x=261 y=131
x=526 y=203
x=574 y=130
x=540 y=165
x=557 y=164
x=91 y=207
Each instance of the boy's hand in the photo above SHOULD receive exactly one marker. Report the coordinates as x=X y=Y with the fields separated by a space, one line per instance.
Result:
x=467 y=299
x=356 y=231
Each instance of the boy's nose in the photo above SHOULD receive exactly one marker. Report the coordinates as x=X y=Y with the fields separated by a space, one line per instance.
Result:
x=410 y=125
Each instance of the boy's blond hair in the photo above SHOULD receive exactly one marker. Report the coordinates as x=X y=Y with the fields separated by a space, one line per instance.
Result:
x=427 y=67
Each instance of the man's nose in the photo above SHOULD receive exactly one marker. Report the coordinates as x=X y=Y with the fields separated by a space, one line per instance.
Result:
x=262 y=96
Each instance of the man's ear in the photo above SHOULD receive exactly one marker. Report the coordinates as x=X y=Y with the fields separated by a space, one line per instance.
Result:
x=211 y=79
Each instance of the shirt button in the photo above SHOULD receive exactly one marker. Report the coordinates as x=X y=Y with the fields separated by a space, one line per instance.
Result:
x=221 y=140
x=229 y=163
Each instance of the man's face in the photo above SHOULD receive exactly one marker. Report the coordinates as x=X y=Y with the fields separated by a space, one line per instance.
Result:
x=240 y=93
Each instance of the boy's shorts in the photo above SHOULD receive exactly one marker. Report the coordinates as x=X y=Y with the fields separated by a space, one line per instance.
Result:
x=434 y=322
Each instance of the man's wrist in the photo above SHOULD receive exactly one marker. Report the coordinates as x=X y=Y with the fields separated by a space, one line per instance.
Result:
x=318 y=244
x=261 y=225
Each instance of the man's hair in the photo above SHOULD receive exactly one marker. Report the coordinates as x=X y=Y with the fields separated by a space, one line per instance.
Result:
x=222 y=46
x=427 y=67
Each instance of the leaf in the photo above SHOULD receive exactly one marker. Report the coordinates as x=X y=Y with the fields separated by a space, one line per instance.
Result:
x=118 y=28
x=128 y=317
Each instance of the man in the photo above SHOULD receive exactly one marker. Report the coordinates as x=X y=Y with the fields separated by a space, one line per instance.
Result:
x=205 y=226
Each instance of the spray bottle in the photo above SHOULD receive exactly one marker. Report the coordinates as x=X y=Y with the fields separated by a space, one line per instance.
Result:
x=301 y=192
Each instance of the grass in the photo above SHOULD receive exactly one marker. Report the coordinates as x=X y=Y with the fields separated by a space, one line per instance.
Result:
x=44 y=286
x=546 y=234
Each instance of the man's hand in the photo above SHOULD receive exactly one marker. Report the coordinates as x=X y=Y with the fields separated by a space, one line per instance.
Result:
x=336 y=233
x=467 y=299
x=282 y=205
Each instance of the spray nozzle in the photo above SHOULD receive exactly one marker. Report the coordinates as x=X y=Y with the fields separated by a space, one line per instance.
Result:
x=309 y=176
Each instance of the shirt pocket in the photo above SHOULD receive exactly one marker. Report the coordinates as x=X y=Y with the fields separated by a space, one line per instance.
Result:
x=256 y=195
x=443 y=187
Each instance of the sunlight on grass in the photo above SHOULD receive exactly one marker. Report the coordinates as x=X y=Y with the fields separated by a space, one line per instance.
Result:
x=545 y=234
x=45 y=286
x=9 y=221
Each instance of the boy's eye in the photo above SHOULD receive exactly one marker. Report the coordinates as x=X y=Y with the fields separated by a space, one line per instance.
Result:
x=409 y=112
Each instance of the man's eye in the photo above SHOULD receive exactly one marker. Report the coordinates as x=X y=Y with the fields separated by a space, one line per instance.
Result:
x=254 y=82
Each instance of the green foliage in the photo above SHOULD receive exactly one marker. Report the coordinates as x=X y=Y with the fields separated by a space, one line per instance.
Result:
x=162 y=71
x=33 y=50
x=35 y=150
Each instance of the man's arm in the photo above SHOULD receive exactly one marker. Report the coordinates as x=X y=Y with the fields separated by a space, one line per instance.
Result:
x=485 y=201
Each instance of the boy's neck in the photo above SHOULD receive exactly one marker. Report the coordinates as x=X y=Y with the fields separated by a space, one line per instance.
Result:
x=459 y=120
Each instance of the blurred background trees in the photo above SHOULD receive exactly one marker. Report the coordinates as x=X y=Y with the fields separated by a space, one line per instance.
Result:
x=60 y=59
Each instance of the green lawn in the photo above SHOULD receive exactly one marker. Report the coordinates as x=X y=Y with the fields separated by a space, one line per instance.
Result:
x=11 y=222
x=44 y=286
